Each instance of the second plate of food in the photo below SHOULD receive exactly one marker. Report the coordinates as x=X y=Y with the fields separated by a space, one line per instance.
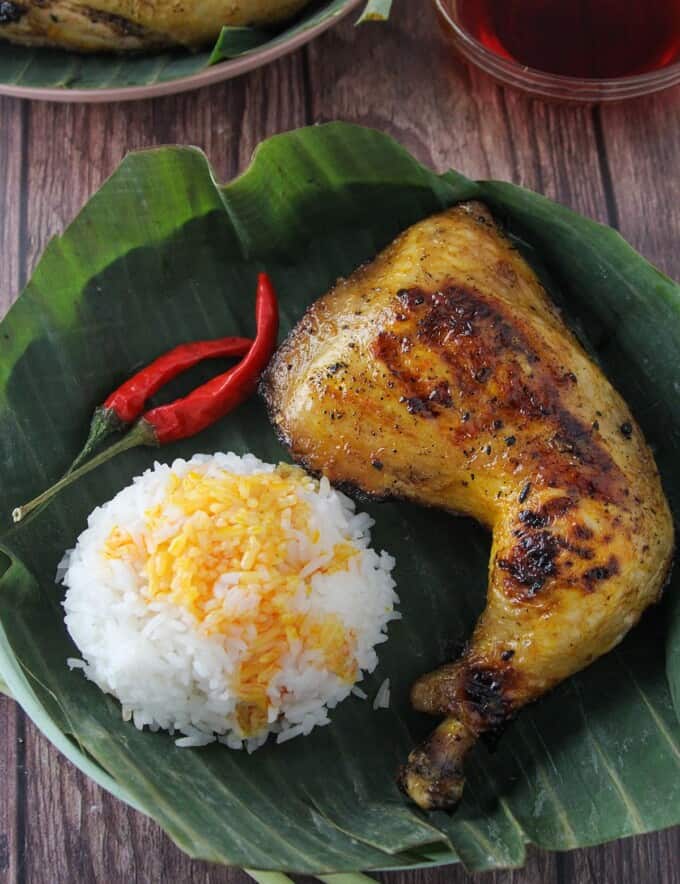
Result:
x=79 y=53
x=317 y=615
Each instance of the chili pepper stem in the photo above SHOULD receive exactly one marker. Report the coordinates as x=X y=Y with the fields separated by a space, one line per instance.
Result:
x=141 y=433
x=105 y=422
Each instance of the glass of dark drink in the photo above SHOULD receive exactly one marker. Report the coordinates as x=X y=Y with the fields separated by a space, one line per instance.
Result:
x=586 y=50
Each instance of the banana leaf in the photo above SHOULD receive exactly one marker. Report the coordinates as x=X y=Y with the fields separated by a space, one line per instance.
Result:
x=376 y=10
x=50 y=68
x=162 y=254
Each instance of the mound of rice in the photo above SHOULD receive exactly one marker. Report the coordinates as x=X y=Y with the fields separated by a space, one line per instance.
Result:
x=225 y=598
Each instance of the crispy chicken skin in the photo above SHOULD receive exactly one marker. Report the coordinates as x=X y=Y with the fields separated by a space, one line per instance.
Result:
x=121 y=25
x=441 y=373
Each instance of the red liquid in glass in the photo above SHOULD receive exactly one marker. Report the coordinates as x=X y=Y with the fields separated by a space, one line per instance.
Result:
x=577 y=38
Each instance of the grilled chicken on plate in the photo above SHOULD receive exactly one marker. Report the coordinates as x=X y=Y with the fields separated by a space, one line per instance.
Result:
x=441 y=373
x=120 y=25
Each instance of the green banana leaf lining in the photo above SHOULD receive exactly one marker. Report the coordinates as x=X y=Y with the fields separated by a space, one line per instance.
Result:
x=161 y=254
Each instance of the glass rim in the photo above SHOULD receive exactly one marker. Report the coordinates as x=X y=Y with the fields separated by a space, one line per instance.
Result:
x=549 y=84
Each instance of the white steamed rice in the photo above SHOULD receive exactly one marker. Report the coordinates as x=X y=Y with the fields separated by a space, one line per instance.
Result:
x=156 y=657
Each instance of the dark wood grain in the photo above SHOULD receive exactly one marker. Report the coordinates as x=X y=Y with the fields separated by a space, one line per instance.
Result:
x=641 y=149
x=616 y=164
x=12 y=116
x=73 y=149
x=452 y=117
x=9 y=758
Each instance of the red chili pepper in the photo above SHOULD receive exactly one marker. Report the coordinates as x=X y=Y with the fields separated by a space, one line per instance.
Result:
x=210 y=402
x=126 y=403
x=187 y=416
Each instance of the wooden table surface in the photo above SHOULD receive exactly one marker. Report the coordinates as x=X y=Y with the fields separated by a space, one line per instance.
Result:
x=618 y=164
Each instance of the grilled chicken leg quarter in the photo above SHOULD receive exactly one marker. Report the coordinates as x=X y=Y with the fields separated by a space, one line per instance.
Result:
x=441 y=373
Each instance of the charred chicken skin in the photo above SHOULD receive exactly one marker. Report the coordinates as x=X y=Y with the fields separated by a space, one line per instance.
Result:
x=442 y=373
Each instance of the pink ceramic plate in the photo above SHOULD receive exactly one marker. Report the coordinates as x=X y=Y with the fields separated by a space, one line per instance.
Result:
x=224 y=70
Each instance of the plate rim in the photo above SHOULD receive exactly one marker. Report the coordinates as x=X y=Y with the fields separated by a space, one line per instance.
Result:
x=224 y=70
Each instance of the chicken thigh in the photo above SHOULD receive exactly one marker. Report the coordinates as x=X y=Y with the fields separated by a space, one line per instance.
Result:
x=441 y=373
